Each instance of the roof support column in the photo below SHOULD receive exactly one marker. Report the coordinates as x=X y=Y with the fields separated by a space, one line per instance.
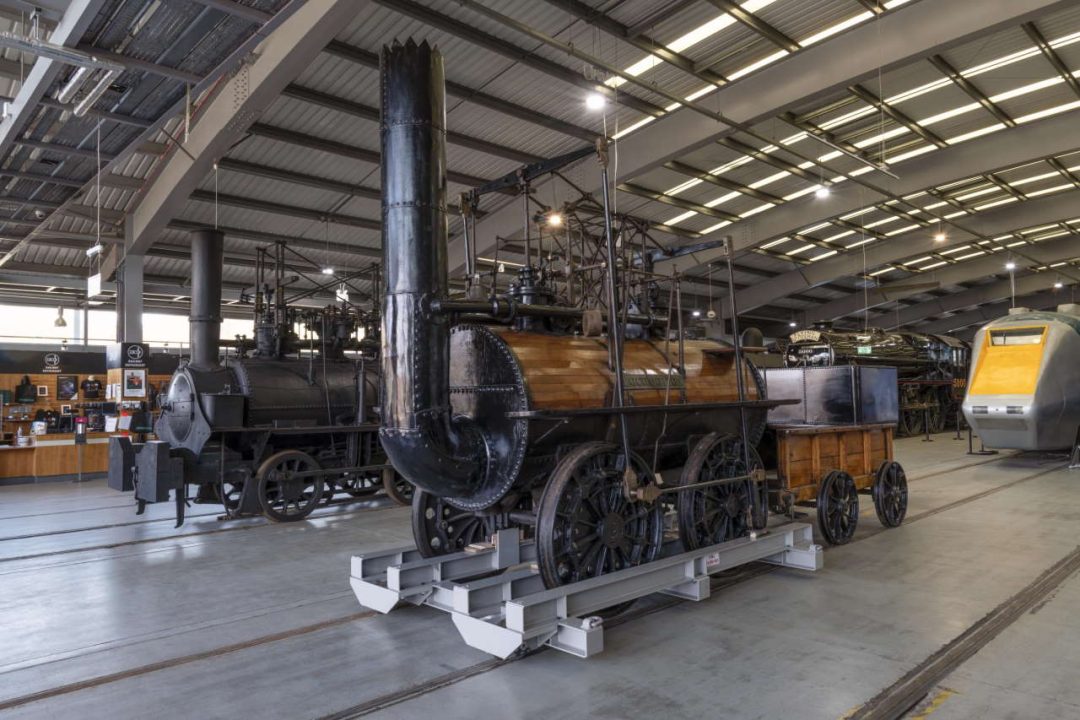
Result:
x=129 y=305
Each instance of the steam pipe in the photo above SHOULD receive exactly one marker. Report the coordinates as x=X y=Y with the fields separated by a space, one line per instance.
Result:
x=207 y=261
x=433 y=450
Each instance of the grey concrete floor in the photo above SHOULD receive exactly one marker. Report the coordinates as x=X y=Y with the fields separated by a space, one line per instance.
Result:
x=105 y=615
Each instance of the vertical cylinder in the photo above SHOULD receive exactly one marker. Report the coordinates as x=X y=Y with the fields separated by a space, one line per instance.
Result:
x=418 y=433
x=207 y=259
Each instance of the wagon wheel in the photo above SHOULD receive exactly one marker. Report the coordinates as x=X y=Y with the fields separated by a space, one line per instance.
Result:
x=396 y=487
x=282 y=497
x=890 y=493
x=838 y=507
x=440 y=528
x=721 y=512
x=586 y=526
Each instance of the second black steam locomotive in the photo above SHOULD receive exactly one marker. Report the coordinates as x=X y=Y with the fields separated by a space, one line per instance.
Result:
x=932 y=370
x=273 y=433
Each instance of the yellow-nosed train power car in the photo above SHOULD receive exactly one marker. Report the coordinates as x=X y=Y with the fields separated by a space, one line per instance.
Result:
x=1024 y=391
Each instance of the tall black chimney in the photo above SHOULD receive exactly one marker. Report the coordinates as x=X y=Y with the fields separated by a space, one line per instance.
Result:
x=438 y=453
x=207 y=259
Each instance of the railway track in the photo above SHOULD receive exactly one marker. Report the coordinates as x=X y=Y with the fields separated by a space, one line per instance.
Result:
x=335 y=511
x=255 y=522
x=405 y=694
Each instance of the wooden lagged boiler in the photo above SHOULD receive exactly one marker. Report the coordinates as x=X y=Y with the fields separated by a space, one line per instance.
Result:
x=511 y=413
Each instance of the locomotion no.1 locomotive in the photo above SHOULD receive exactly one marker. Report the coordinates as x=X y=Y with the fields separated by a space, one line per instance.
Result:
x=270 y=433
x=514 y=411
x=931 y=369
x=1025 y=386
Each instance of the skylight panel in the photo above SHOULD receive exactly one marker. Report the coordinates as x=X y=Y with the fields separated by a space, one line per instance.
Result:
x=774 y=243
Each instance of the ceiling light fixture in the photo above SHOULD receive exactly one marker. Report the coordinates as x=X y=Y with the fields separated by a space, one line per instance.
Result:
x=328 y=271
x=696 y=313
x=60 y=321
x=1010 y=266
x=822 y=191
x=554 y=219
x=940 y=237
x=595 y=101
x=1058 y=285
x=793 y=324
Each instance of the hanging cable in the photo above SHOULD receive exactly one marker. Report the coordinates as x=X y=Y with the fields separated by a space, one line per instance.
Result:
x=215 y=196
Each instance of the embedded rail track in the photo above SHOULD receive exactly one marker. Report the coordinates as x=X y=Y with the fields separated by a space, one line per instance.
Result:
x=914 y=685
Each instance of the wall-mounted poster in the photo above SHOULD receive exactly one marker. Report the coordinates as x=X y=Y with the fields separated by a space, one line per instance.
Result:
x=67 y=387
x=134 y=383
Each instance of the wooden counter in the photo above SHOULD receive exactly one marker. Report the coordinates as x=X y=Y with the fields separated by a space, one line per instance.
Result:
x=54 y=455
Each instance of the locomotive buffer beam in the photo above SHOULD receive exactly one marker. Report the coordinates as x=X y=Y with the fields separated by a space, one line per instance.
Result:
x=497 y=600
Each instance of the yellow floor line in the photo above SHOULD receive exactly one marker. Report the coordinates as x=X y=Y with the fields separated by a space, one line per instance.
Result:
x=943 y=695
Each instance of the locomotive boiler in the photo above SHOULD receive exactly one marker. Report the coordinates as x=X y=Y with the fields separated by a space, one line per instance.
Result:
x=512 y=411
x=931 y=369
x=1025 y=381
x=267 y=434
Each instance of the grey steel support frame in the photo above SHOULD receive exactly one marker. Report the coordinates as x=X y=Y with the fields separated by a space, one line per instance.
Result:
x=498 y=602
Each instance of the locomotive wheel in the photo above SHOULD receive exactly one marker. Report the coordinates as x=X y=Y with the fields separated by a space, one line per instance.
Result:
x=935 y=410
x=282 y=497
x=397 y=488
x=586 y=526
x=890 y=493
x=439 y=528
x=360 y=485
x=229 y=495
x=838 y=507
x=721 y=512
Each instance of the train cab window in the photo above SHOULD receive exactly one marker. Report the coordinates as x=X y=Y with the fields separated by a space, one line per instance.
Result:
x=1017 y=336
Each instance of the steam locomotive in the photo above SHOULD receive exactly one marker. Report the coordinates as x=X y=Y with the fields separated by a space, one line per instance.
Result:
x=931 y=369
x=515 y=411
x=265 y=434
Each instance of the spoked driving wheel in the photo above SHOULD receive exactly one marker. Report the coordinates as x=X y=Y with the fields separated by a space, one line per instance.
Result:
x=890 y=493
x=720 y=512
x=361 y=484
x=838 y=507
x=440 y=528
x=911 y=418
x=586 y=525
x=284 y=497
x=229 y=492
x=396 y=487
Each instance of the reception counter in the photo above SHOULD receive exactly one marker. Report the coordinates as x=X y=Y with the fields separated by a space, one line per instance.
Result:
x=54 y=457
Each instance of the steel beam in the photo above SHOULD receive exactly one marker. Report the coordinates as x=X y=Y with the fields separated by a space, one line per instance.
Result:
x=69 y=30
x=289 y=48
x=984 y=314
x=351 y=107
x=369 y=59
x=975 y=297
x=1037 y=254
x=907 y=34
x=471 y=33
x=281 y=209
x=341 y=149
x=236 y=9
x=756 y=24
x=601 y=20
x=1009 y=148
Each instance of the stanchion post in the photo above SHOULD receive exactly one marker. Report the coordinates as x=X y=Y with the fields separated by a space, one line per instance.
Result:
x=926 y=423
